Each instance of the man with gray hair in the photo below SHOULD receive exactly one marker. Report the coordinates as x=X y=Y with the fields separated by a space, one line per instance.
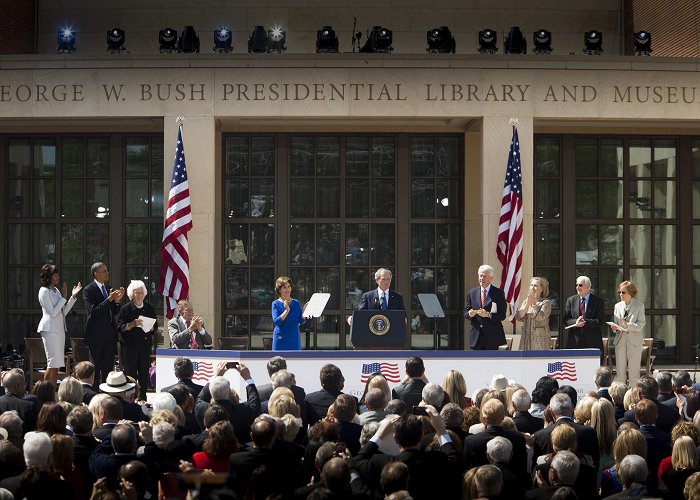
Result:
x=11 y=455
x=586 y=437
x=524 y=421
x=13 y=399
x=275 y=364
x=382 y=298
x=453 y=416
x=499 y=451
x=633 y=472
x=375 y=401
x=563 y=471
x=433 y=395
x=603 y=379
x=587 y=312
x=489 y=481
x=486 y=310
x=665 y=381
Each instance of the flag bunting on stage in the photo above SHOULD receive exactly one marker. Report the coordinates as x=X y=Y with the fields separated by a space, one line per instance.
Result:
x=389 y=370
x=509 y=247
x=203 y=371
x=562 y=370
x=175 y=267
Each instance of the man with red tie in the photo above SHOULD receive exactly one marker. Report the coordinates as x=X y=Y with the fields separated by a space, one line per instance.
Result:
x=587 y=312
x=485 y=310
x=187 y=330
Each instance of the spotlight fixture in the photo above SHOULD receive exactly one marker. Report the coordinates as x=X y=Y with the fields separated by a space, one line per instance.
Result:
x=276 y=37
x=487 y=41
x=66 y=41
x=542 y=41
x=167 y=38
x=115 y=41
x=515 y=42
x=257 y=42
x=441 y=41
x=326 y=40
x=593 y=41
x=642 y=43
x=223 y=40
x=189 y=41
x=379 y=40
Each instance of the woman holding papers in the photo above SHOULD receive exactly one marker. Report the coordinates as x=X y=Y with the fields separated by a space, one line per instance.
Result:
x=627 y=324
x=136 y=326
x=286 y=316
x=534 y=313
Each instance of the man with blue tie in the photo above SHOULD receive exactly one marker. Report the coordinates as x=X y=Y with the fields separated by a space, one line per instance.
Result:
x=102 y=308
x=382 y=297
x=587 y=312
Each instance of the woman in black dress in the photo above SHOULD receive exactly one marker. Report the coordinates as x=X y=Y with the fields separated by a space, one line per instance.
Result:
x=135 y=342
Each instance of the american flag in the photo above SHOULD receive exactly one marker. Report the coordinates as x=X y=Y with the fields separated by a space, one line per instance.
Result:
x=389 y=370
x=562 y=370
x=203 y=371
x=175 y=268
x=509 y=248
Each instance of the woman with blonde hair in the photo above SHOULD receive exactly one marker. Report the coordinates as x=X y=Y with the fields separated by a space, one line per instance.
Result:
x=94 y=407
x=582 y=413
x=684 y=464
x=681 y=429
x=455 y=387
x=630 y=441
x=603 y=421
x=534 y=313
x=71 y=391
x=375 y=381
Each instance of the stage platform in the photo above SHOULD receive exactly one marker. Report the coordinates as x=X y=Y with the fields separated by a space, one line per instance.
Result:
x=577 y=366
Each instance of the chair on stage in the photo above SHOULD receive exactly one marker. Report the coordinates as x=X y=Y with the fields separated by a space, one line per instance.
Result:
x=508 y=346
x=267 y=343
x=35 y=358
x=234 y=343
x=648 y=356
x=80 y=351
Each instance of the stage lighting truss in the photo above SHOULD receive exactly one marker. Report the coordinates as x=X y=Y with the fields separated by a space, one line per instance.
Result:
x=326 y=40
x=487 y=41
x=441 y=41
x=223 y=40
x=515 y=42
x=167 y=38
x=642 y=43
x=593 y=42
x=115 y=41
x=66 y=41
x=542 y=42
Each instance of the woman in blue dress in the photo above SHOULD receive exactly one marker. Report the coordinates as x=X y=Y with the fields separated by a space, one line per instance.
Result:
x=287 y=316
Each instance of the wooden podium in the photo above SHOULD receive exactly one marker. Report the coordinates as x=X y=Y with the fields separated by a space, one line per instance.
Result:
x=377 y=329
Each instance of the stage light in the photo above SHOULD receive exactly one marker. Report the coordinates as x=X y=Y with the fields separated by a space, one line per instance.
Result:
x=223 y=40
x=189 y=41
x=66 y=41
x=167 y=38
x=642 y=43
x=487 y=41
x=593 y=41
x=441 y=41
x=515 y=42
x=276 y=37
x=257 y=42
x=115 y=40
x=542 y=41
x=379 y=40
x=326 y=40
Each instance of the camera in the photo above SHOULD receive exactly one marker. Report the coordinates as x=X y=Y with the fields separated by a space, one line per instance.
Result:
x=420 y=410
x=231 y=364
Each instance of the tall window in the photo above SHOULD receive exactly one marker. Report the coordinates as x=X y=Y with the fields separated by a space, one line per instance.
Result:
x=344 y=206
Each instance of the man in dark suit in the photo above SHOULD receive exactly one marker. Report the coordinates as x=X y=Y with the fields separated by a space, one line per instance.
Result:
x=410 y=391
x=184 y=370
x=603 y=379
x=587 y=312
x=522 y=418
x=13 y=399
x=586 y=437
x=102 y=308
x=113 y=452
x=382 y=298
x=85 y=373
x=332 y=383
x=658 y=441
x=648 y=388
x=276 y=364
x=665 y=381
x=109 y=413
x=120 y=388
x=485 y=310
x=563 y=471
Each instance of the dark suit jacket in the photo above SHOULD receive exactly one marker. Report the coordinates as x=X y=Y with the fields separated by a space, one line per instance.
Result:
x=590 y=335
x=133 y=412
x=241 y=415
x=658 y=448
x=410 y=393
x=666 y=418
x=265 y=391
x=370 y=300
x=195 y=442
x=475 y=448
x=101 y=326
x=318 y=403
x=603 y=393
x=586 y=440
x=546 y=492
x=243 y=463
x=525 y=422
x=194 y=389
x=486 y=333
x=88 y=393
x=26 y=409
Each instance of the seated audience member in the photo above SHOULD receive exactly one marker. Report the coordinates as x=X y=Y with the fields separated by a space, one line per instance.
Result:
x=396 y=407
x=187 y=330
x=633 y=476
x=545 y=388
x=499 y=452
x=489 y=481
x=647 y=388
x=684 y=463
x=680 y=429
x=11 y=455
x=52 y=419
x=335 y=476
x=185 y=401
x=489 y=395
x=410 y=391
x=469 y=491
x=344 y=411
x=114 y=452
x=61 y=465
x=571 y=392
x=455 y=387
x=109 y=412
x=323 y=431
x=332 y=383
x=161 y=451
x=37 y=481
x=603 y=421
x=13 y=399
x=85 y=373
x=562 y=471
x=665 y=381
x=80 y=422
x=617 y=392
x=432 y=474
x=71 y=391
x=692 y=487
x=523 y=419
x=323 y=454
x=433 y=395
x=184 y=371
x=582 y=412
x=658 y=441
x=375 y=381
x=603 y=379
x=137 y=474
x=394 y=478
x=275 y=364
x=213 y=414
x=374 y=402
x=452 y=416
x=630 y=441
x=124 y=391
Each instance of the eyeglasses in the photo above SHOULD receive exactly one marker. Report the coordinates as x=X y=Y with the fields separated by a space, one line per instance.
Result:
x=621 y=292
x=579 y=284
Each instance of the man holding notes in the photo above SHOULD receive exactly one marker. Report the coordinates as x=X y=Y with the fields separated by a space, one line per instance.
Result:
x=486 y=309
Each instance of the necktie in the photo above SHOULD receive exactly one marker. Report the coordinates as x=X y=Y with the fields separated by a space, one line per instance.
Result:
x=483 y=297
x=193 y=338
x=104 y=291
x=382 y=302
x=582 y=307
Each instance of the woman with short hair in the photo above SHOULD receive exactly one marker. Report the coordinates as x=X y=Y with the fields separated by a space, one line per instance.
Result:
x=628 y=321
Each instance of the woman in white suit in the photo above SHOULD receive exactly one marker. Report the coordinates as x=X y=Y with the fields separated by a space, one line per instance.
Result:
x=629 y=320
x=52 y=326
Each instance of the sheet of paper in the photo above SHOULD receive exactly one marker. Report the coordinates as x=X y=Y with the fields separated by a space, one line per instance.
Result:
x=147 y=323
x=611 y=323
x=494 y=308
x=570 y=326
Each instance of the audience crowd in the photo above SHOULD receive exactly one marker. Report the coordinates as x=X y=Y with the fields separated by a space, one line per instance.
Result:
x=418 y=439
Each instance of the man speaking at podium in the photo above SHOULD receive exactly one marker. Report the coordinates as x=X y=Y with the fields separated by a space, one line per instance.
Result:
x=382 y=298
